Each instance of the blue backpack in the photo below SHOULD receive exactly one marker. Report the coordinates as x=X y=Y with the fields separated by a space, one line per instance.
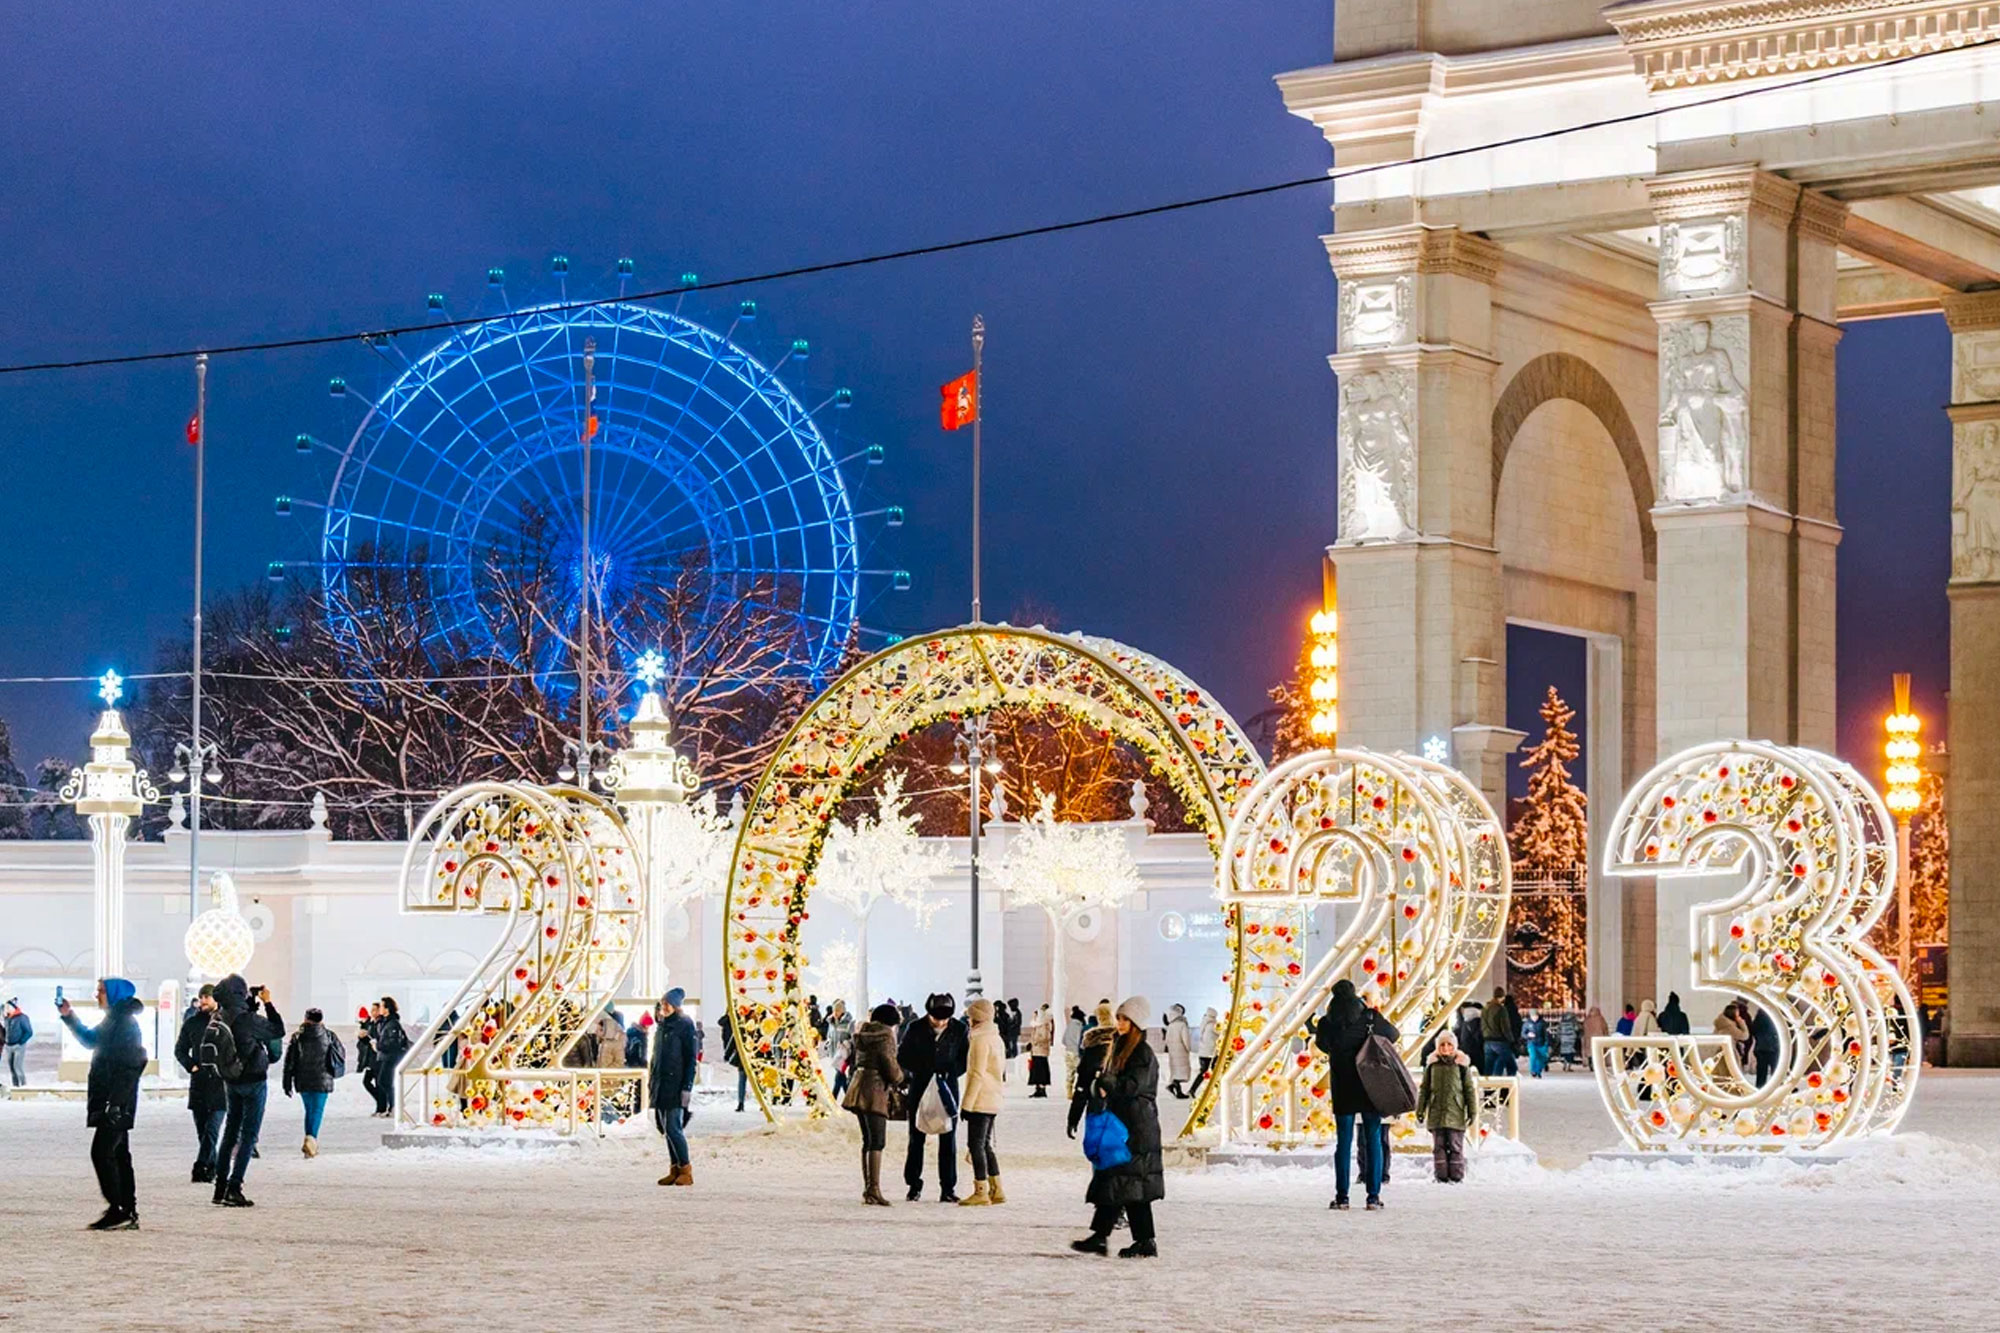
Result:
x=1105 y=1141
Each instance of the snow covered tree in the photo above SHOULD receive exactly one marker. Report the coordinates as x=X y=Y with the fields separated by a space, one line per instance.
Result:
x=1065 y=869
x=1552 y=832
x=1547 y=935
x=1293 y=732
x=877 y=857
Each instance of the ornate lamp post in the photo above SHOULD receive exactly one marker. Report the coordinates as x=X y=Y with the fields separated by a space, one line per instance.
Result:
x=110 y=791
x=652 y=782
x=1903 y=780
x=1324 y=687
x=973 y=747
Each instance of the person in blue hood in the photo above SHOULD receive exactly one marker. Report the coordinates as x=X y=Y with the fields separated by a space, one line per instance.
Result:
x=117 y=1059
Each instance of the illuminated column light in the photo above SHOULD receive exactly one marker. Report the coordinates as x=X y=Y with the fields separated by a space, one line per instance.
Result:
x=1903 y=782
x=1324 y=687
x=109 y=790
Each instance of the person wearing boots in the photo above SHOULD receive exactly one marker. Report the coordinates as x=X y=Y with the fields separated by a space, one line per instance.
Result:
x=1180 y=1051
x=933 y=1049
x=312 y=1062
x=1128 y=1087
x=872 y=1093
x=985 y=1071
x=111 y=1097
x=246 y=1068
x=208 y=1100
x=1041 y=1039
x=670 y=1081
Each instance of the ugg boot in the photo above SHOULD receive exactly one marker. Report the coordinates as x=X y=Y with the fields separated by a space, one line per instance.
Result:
x=993 y=1194
x=310 y=1147
x=682 y=1174
x=979 y=1197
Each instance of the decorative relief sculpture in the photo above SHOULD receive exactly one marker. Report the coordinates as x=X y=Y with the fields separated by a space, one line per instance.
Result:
x=1701 y=256
x=1975 y=367
x=1378 y=458
x=1374 y=314
x=1704 y=411
x=1975 y=504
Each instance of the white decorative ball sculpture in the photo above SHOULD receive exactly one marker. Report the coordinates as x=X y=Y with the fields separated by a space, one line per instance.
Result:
x=219 y=941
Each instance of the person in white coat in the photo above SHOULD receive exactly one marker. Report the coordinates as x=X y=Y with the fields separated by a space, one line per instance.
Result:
x=1205 y=1042
x=1041 y=1039
x=1180 y=1046
x=985 y=1069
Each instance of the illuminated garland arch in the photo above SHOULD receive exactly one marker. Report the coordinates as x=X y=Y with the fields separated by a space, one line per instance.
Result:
x=1189 y=740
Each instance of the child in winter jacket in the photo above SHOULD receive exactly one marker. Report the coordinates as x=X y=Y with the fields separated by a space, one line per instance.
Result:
x=1448 y=1102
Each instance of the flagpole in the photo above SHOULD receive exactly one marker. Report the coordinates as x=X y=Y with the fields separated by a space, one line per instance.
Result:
x=195 y=761
x=978 y=419
x=975 y=757
x=583 y=639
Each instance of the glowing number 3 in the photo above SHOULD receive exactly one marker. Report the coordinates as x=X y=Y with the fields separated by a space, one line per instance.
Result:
x=558 y=863
x=1821 y=855
x=1417 y=850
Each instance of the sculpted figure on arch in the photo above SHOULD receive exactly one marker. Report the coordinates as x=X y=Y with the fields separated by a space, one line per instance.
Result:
x=1704 y=420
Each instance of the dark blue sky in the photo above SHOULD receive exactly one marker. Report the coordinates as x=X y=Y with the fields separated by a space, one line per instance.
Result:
x=1160 y=414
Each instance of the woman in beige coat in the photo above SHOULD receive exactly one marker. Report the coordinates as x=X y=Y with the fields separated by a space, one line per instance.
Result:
x=985 y=1067
x=1041 y=1040
x=1729 y=1024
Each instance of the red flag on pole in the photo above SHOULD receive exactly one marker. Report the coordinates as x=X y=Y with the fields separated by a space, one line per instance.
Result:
x=961 y=401
x=194 y=429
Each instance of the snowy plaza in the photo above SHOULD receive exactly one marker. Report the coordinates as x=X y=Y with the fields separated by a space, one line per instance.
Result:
x=1350 y=649
x=1904 y=1237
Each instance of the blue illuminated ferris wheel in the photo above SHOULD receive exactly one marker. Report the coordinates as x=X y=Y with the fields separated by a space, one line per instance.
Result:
x=700 y=459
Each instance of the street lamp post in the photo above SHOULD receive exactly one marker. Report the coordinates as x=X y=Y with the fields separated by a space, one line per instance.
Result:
x=1904 y=779
x=109 y=790
x=975 y=759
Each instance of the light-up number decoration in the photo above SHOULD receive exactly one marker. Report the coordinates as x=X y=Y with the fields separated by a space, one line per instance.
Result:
x=1415 y=853
x=1189 y=740
x=1819 y=853
x=558 y=865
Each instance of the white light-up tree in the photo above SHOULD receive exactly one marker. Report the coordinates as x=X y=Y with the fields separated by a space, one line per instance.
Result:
x=686 y=843
x=1066 y=870
x=876 y=858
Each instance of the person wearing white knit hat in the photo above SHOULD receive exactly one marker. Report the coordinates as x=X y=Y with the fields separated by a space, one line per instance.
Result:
x=1127 y=1086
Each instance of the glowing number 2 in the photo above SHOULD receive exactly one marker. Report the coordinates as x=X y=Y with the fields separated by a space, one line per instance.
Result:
x=1417 y=851
x=559 y=865
x=1820 y=854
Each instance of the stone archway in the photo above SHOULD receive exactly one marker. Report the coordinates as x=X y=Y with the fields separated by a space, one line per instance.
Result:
x=1555 y=375
x=1190 y=740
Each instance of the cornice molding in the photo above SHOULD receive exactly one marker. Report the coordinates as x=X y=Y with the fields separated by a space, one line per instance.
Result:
x=1971 y=312
x=1413 y=249
x=1721 y=192
x=1683 y=43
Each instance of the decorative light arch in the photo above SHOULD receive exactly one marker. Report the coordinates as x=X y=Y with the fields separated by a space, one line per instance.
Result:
x=1189 y=739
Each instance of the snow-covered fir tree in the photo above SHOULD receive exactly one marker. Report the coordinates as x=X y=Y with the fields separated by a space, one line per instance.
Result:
x=1552 y=831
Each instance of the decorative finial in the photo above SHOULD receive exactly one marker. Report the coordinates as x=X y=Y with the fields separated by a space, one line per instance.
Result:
x=651 y=668
x=110 y=688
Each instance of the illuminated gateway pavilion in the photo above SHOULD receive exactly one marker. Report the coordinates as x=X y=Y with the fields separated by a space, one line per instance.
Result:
x=1587 y=383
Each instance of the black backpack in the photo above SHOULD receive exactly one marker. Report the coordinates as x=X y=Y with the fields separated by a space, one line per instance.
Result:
x=228 y=1060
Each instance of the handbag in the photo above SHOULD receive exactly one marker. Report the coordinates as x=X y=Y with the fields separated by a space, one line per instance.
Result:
x=1384 y=1076
x=1106 y=1143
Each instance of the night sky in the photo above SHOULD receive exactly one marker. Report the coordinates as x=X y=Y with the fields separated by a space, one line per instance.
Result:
x=1160 y=415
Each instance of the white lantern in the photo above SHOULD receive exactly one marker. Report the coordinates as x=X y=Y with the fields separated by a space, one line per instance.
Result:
x=219 y=941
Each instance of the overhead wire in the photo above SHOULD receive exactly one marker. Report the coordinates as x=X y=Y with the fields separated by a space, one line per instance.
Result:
x=1003 y=237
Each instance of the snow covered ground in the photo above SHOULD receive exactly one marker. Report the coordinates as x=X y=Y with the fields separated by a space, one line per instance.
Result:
x=1906 y=1235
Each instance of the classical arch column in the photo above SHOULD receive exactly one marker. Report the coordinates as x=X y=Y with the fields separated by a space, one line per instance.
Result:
x=1422 y=622
x=1746 y=464
x=1972 y=790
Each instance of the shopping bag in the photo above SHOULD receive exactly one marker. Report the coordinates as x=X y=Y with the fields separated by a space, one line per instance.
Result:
x=933 y=1115
x=1105 y=1142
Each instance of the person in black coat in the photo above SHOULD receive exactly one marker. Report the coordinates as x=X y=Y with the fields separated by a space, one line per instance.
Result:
x=934 y=1047
x=1764 y=1045
x=208 y=1099
x=734 y=1061
x=670 y=1081
x=1096 y=1045
x=1128 y=1087
x=392 y=1043
x=255 y=1026
x=1342 y=1031
x=111 y=1099
x=1673 y=1019
x=312 y=1062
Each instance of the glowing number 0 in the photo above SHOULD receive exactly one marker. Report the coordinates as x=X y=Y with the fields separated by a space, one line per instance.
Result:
x=1821 y=858
x=559 y=865
x=1417 y=850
